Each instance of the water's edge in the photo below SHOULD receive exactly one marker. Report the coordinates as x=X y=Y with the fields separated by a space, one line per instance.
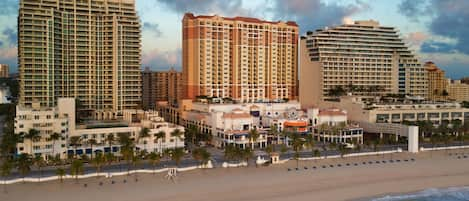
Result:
x=429 y=194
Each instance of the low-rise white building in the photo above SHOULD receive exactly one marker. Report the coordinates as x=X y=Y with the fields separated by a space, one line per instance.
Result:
x=231 y=123
x=93 y=135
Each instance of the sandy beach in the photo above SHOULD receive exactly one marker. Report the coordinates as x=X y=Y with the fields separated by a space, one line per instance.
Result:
x=267 y=183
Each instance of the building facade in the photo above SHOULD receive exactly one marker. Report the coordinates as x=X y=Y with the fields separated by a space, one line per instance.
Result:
x=231 y=123
x=246 y=59
x=89 y=50
x=399 y=112
x=363 y=58
x=161 y=86
x=4 y=71
x=61 y=120
x=437 y=82
x=458 y=91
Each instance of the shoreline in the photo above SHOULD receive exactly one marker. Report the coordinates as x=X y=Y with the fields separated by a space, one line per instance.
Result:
x=361 y=182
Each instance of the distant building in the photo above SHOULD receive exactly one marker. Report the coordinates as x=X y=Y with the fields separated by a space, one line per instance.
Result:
x=5 y=96
x=362 y=109
x=363 y=58
x=89 y=50
x=160 y=86
x=4 y=71
x=437 y=82
x=61 y=120
x=246 y=59
x=458 y=91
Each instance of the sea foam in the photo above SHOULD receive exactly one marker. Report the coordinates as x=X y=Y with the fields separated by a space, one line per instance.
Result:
x=431 y=194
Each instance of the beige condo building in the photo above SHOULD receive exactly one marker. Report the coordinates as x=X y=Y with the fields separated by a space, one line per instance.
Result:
x=364 y=58
x=86 y=49
x=437 y=82
x=4 y=71
x=458 y=91
x=242 y=58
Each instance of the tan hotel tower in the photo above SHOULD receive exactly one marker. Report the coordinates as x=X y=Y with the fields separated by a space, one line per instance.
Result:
x=368 y=58
x=86 y=49
x=246 y=59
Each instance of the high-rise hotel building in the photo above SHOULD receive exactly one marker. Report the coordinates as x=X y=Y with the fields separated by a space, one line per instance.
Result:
x=86 y=49
x=363 y=58
x=245 y=59
x=160 y=86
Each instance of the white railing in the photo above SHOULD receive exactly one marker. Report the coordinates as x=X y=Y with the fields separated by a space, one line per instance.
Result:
x=102 y=174
x=444 y=148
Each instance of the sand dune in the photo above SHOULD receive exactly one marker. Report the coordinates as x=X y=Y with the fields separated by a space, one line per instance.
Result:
x=266 y=183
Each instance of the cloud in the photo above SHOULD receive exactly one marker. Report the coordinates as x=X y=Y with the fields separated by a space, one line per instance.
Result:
x=412 y=9
x=9 y=7
x=153 y=27
x=435 y=46
x=11 y=35
x=8 y=56
x=455 y=64
x=415 y=39
x=452 y=21
x=222 y=7
x=315 y=14
x=162 y=60
x=448 y=19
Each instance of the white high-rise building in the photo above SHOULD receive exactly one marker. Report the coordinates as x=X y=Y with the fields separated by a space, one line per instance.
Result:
x=364 y=58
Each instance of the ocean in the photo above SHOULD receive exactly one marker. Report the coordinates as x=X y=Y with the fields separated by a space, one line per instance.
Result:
x=432 y=194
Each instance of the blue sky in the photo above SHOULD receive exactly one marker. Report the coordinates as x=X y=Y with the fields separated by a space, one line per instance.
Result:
x=436 y=30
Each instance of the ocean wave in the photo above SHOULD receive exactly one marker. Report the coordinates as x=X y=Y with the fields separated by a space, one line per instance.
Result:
x=431 y=194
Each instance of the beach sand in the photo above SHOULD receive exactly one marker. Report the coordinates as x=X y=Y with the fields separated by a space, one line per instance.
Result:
x=273 y=183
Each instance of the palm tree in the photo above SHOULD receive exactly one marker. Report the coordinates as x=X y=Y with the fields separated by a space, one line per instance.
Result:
x=177 y=154
x=144 y=133
x=39 y=162
x=136 y=158
x=54 y=137
x=154 y=159
x=310 y=141
x=322 y=129
x=75 y=141
x=253 y=136
x=297 y=143
x=110 y=139
x=23 y=164
x=98 y=161
x=316 y=153
x=201 y=155
x=109 y=158
x=191 y=134
x=92 y=142
x=205 y=157
x=246 y=153
x=343 y=150
x=32 y=135
x=269 y=149
x=274 y=132
x=176 y=134
x=229 y=152
x=283 y=149
x=76 y=168
x=159 y=139
x=61 y=173
x=5 y=171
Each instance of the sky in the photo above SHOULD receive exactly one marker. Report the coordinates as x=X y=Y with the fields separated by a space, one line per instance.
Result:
x=436 y=30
